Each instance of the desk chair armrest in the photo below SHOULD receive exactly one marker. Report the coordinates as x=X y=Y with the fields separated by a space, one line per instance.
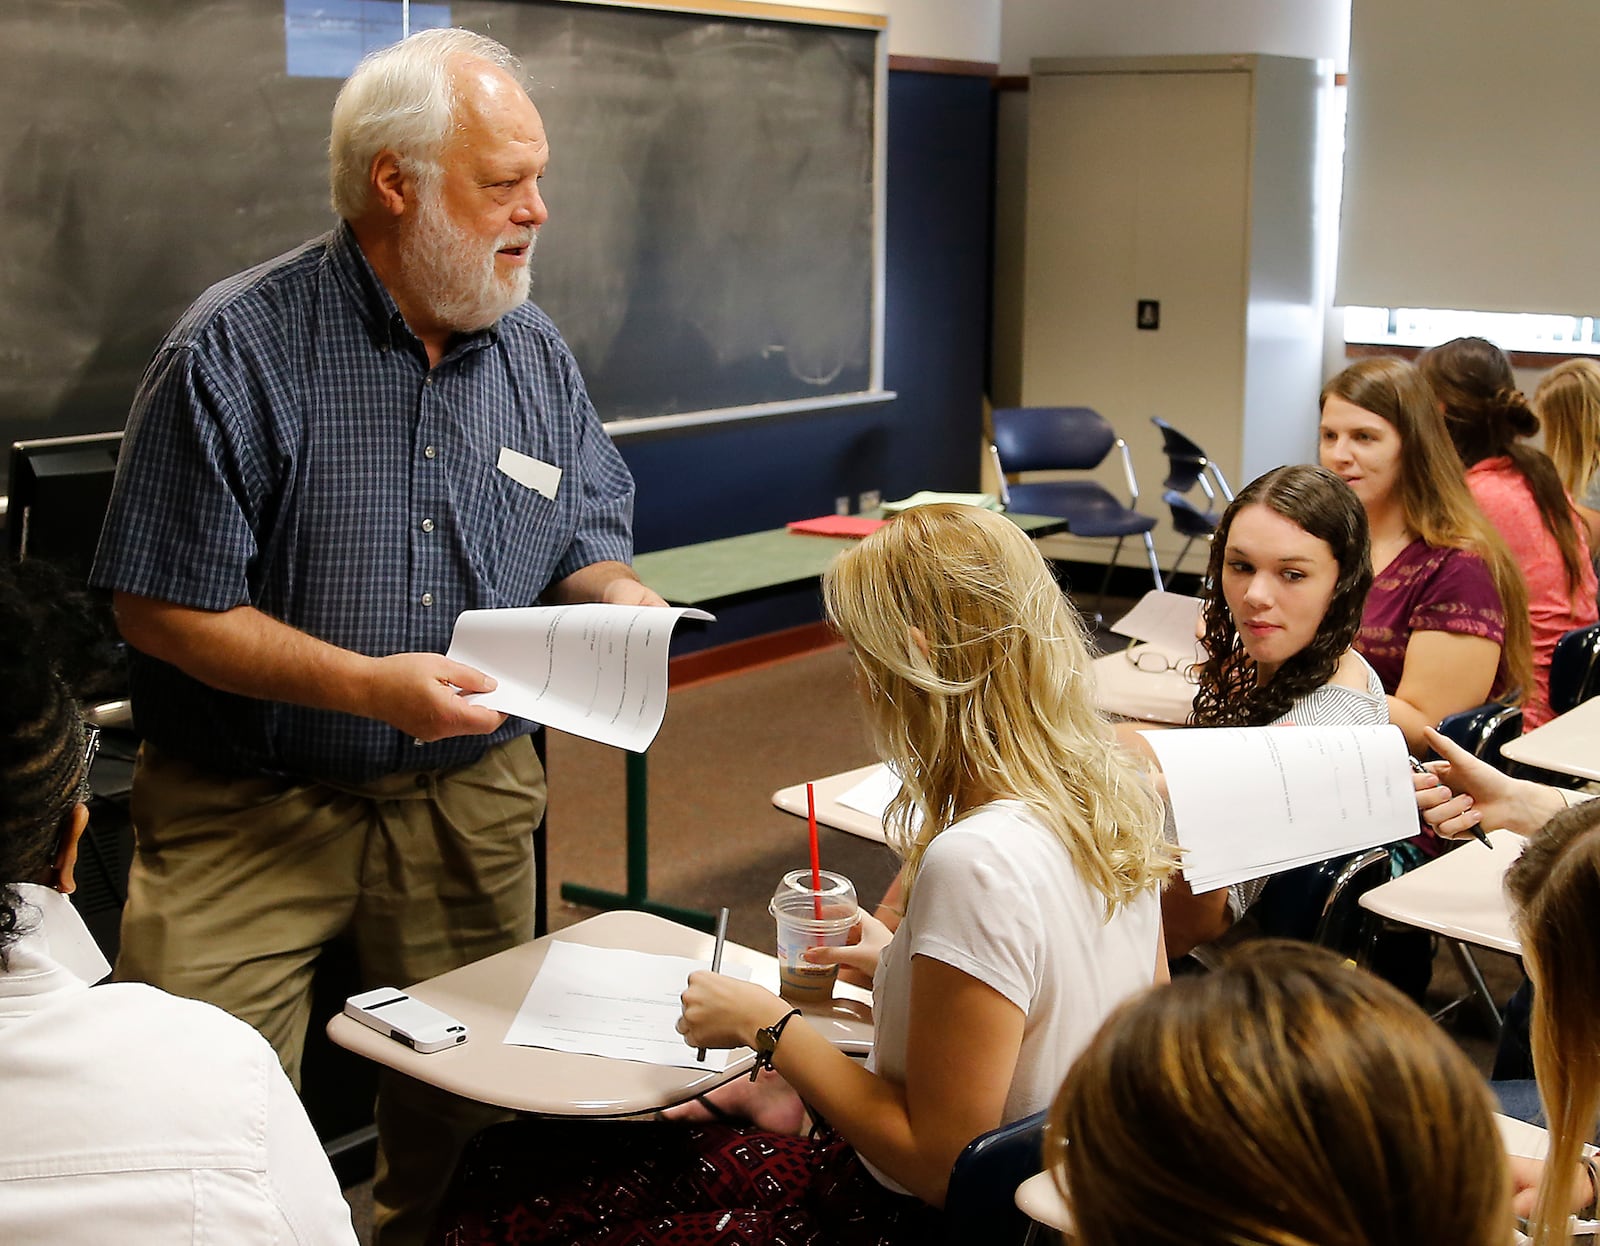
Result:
x=1127 y=471
x=1000 y=476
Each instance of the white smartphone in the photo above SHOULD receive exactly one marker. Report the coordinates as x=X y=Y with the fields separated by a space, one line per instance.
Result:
x=419 y=1026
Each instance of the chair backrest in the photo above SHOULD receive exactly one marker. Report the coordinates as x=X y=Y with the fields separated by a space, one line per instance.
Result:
x=980 y=1204
x=1185 y=459
x=1320 y=902
x=1575 y=668
x=1485 y=730
x=1043 y=439
x=1187 y=518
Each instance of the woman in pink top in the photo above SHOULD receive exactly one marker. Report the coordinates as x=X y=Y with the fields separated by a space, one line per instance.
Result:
x=1518 y=488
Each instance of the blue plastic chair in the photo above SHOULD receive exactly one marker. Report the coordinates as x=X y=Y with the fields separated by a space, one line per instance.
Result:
x=980 y=1203
x=1072 y=439
x=1188 y=466
x=1575 y=668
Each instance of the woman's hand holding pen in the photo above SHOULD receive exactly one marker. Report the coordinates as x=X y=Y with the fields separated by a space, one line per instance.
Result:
x=1461 y=792
x=719 y=1011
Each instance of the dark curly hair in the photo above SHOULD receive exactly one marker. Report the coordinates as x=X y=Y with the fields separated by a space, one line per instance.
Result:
x=1324 y=506
x=42 y=772
x=1487 y=417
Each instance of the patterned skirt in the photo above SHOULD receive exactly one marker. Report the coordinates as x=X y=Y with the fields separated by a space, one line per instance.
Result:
x=669 y=1183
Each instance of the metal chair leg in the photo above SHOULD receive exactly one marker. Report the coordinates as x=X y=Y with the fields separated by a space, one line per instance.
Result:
x=1155 y=567
x=1178 y=561
x=1105 y=580
x=1475 y=983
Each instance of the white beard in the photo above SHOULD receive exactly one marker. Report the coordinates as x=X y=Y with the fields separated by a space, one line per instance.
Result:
x=454 y=275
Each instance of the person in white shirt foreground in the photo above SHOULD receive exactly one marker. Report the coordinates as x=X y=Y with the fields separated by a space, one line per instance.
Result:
x=133 y=1116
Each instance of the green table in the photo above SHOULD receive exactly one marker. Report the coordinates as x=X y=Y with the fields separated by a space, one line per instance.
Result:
x=704 y=575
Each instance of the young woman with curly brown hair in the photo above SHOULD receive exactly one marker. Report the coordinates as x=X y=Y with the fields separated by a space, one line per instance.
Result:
x=1290 y=571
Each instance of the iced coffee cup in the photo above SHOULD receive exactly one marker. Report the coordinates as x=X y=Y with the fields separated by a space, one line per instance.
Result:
x=811 y=917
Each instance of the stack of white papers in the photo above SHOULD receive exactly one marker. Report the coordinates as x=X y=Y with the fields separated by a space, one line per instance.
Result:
x=1251 y=801
x=595 y=671
x=1166 y=620
x=927 y=497
x=603 y=1001
x=873 y=792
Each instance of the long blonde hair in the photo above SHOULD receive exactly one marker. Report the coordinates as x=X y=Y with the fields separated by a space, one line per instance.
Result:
x=1554 y=887
x=975 y=675
x=1285 y=1100
x=1434 y=497
x=1568 y=403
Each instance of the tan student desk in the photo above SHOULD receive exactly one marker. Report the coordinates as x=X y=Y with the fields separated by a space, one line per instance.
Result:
x=706 y=575
x=1568 y=743
x=486 y=995
x=1458 y=895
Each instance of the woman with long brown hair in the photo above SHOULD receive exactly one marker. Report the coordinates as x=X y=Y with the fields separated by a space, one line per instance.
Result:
x=1446 y=622
x=1519 y=490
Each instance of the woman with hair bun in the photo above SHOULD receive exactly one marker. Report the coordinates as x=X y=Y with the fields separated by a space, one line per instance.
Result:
x=1518 y=488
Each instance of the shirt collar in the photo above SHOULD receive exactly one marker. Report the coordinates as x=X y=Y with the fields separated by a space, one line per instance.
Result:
x=376 y=306
x=58 y=934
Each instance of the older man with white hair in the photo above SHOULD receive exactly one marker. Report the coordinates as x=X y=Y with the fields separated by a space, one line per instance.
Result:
x=329 y=458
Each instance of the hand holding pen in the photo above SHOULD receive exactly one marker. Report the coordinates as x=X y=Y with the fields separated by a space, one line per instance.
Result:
x=716 y=963
x=1476 y=832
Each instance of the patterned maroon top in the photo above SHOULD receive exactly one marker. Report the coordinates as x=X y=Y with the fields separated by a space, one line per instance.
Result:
x=1427 y=588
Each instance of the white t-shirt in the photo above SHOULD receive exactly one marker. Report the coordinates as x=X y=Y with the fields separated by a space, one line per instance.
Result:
x=997 y=897
x=136 y=1117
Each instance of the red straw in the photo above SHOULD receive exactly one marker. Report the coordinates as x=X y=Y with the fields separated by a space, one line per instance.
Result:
x=816 y=860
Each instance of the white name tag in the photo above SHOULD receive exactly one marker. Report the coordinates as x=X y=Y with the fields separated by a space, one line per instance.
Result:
x=543 y=478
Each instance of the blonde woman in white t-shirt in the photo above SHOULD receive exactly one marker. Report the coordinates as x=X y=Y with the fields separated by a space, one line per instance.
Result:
x=1033 y=854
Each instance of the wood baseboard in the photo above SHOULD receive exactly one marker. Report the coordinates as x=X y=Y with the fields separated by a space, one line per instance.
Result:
x=745 y=655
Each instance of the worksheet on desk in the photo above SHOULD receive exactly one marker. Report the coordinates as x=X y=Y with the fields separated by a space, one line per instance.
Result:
x=592 y=670
x=603 y=1001
x=1251 y=801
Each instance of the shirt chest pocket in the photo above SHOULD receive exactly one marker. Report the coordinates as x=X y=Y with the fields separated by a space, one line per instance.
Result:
x=523 y=536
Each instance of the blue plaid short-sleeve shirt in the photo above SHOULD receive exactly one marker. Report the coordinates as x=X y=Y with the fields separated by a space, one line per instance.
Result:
x=289 y=448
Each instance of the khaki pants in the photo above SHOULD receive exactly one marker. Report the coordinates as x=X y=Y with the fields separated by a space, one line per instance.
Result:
x=237 y=884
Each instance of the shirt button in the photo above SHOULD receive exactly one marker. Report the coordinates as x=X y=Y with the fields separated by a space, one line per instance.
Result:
x=428 y=380
x=428 y=452
x=417 y=743
x=427 y=599
x=427 y=525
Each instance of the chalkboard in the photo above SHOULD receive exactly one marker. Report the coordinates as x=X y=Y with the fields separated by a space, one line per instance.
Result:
x=715 y=241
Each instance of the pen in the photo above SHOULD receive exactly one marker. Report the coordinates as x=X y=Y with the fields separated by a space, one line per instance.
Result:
x=1476 y=831
x=716 y=961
